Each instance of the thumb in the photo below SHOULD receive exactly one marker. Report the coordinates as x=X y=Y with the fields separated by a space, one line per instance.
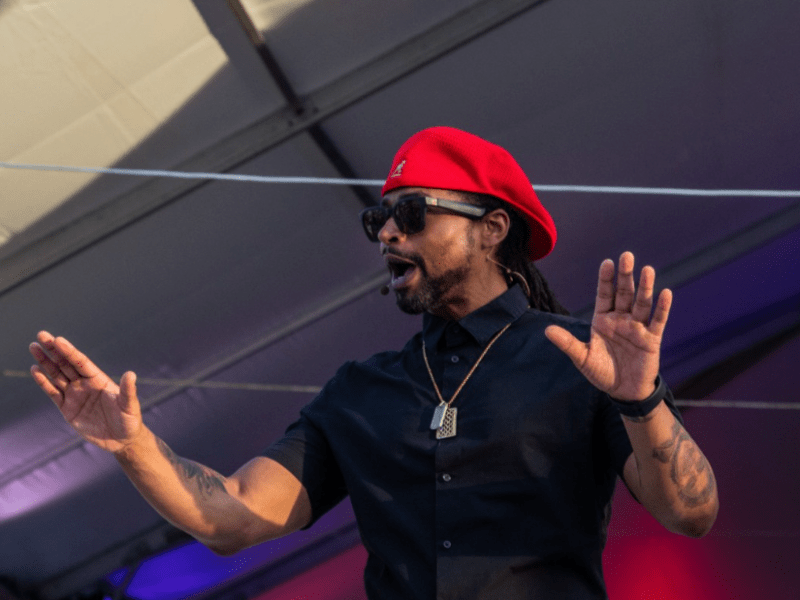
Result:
x=128 y=401
x=567 y=343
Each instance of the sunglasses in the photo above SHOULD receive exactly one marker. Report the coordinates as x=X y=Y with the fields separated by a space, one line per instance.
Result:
x=409 y=214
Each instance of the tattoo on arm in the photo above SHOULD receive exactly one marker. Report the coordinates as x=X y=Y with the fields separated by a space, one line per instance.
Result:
x=689 y=469
x=206 y=479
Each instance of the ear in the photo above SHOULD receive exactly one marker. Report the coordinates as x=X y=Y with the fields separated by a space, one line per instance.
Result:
x=494 y=228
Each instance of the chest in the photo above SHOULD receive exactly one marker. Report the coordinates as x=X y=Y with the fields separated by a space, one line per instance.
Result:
x=516 y=414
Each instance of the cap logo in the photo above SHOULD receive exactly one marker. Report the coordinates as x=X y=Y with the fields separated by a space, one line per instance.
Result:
x=398 y=170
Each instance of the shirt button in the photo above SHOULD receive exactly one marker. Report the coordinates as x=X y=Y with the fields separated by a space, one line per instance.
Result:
x=446 y=477
x=453 y=359
x=446 y=544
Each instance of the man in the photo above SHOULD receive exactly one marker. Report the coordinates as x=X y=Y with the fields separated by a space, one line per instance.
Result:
x=480 y=462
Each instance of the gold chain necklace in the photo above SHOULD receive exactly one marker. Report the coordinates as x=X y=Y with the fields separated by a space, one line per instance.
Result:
x=444 y=416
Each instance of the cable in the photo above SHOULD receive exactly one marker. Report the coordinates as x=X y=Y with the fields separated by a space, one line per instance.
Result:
x=195 y=175
x=756 y=405
x=610 y=189
x=196 y=383
x=315 y=389
x=592 y=189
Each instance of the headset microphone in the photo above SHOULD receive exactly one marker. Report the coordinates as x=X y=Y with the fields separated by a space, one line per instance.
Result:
x=384 y=290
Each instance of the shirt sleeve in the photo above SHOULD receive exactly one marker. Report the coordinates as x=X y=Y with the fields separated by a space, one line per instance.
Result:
x=304 y=451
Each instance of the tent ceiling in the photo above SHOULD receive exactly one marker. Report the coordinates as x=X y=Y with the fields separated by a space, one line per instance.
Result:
x=107 y=98
x=274 y=284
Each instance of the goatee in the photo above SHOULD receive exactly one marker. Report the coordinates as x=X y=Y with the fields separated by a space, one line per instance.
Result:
x=430 y=296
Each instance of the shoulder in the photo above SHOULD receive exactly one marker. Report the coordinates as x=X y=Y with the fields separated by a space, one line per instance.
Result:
x=536 y=319
x=388 y=360
x=531 y=352
x=354 y=374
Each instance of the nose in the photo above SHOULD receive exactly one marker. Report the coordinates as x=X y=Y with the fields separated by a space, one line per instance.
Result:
x=390 y=233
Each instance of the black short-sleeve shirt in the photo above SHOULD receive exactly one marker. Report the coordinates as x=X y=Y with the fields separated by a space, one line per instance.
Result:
x=516 y=505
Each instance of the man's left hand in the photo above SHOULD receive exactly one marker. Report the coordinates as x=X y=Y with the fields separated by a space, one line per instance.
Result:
x=622 y=355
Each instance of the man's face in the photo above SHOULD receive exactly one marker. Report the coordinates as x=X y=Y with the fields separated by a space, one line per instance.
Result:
x=430 y=269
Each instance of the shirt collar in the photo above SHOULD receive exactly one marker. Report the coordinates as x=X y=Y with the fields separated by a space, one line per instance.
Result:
x=482 y=323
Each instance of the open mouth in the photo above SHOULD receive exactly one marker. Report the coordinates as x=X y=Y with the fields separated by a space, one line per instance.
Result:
x=402 y=269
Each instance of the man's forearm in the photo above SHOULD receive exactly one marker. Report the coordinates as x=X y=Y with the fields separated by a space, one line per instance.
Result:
x=675 y=480
x=191 y=496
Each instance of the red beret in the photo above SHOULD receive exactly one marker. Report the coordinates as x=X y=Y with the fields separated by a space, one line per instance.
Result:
x=451 y=159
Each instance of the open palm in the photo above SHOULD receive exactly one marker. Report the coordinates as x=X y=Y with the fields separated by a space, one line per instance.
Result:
x=622 y=355
x=102 y=412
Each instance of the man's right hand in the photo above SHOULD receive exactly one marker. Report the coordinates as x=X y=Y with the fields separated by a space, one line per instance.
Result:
x=262 y=500
x=102 y=412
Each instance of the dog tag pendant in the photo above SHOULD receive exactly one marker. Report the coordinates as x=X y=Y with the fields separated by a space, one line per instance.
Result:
x=438 y=416
x=448 y=428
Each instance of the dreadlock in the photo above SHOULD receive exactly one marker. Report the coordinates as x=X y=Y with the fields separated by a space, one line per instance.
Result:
x=513 y=257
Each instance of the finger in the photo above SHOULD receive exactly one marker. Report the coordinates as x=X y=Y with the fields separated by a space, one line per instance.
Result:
x=50 y=345
x=45 y=337
x=75 y=360
x=644 y=295
x=568 y=344
x=605 y=287
x=47 y=366
x=661 y=313
x=47 y=386
x=127 y=399
x=623 y=300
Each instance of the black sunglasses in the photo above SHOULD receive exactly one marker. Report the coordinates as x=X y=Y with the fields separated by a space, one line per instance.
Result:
x=409 y=214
